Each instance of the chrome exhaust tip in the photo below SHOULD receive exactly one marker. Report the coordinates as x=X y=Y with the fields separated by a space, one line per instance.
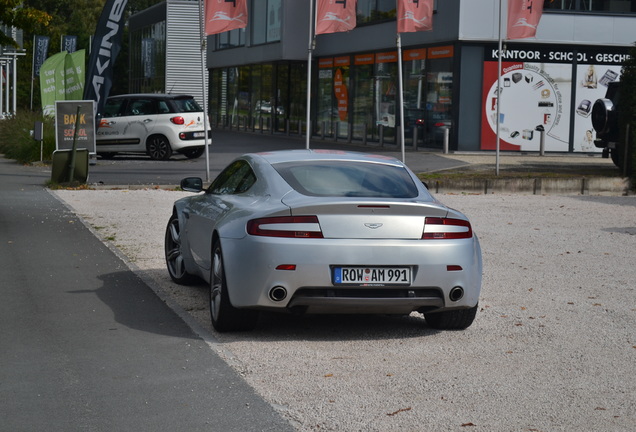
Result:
x=456 y=294
x=278 y=294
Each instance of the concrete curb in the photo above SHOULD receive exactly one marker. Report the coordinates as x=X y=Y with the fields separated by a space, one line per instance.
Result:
x=610 y=186
x=613 y=186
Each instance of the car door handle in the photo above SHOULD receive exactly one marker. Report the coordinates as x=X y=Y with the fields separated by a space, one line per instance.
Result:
x=147 y=120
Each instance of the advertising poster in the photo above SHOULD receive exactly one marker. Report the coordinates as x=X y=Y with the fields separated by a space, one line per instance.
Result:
x=65 y=120
x=545 y=89
x=591 y=84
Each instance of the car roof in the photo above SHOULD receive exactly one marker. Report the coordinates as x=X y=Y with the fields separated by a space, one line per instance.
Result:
x=284 y=156
x=152 y=96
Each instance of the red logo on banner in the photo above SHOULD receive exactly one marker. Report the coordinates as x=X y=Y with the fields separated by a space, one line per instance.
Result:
x=225 y=15
x=335 y=16
x=414 y=15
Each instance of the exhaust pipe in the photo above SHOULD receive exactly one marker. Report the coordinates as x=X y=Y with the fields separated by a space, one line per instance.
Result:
x=456 y=293
x=278 y=293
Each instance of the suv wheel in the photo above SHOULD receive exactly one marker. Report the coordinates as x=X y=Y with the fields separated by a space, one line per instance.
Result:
x=158 y=147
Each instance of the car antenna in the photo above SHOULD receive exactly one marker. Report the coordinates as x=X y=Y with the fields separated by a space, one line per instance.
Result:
x=173 y=84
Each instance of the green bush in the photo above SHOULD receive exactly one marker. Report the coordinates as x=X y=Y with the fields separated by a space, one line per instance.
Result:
x=18 y=143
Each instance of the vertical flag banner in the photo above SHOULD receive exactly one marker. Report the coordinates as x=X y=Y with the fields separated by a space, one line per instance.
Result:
x=225 y=15
x=105 y=49
x=147 y=57
x=69 y=44
x=415 y=15
x=48 y=82
x=334 y=16
x=40 y=51
x=523 y=18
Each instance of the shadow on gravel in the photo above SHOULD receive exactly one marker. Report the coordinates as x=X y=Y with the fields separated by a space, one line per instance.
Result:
x=277 y=327
x=609 y=200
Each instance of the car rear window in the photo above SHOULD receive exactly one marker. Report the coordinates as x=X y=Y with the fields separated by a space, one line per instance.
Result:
x=348 y=179
x=186 y=105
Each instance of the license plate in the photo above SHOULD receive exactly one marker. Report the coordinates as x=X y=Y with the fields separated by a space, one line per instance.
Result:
x=372 y=276
x=198 y=134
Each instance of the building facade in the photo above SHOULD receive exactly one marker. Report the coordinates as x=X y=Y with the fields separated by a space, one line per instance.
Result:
x=258 y=75
x=165 y=50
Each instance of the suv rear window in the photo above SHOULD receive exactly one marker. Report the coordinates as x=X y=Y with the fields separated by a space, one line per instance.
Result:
x=348 y=179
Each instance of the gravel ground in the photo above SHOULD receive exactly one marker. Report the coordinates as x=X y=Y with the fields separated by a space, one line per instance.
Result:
x=553 y=347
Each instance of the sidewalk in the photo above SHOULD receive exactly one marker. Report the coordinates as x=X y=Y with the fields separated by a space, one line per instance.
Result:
x=530 y=174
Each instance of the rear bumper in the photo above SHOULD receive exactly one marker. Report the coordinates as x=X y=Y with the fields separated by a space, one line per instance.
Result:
x=251 y=273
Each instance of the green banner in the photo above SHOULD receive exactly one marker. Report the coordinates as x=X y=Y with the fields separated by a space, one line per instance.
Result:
x=62 y=78
x=49 y=82
x=75 y=77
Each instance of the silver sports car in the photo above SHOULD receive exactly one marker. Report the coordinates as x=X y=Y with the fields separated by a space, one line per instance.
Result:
x=319 y=231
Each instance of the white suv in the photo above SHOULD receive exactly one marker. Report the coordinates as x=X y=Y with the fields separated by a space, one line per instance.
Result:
x=155 y=124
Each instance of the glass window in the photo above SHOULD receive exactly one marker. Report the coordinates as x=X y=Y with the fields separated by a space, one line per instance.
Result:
x=231 y=39
x=187 y=104
x=348 y=179
x=368 y=11
x=147 y=60
x=266 y=21
x=386 y=98
x=363 y=90
x=113 y=107
x=140 y=107
x=327 y=110
x=236 y=178
x=609 y=6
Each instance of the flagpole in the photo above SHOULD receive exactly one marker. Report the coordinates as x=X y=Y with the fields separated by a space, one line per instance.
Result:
x=401 y=97
x=499 y=90
x=312 y=40
x=205 y=95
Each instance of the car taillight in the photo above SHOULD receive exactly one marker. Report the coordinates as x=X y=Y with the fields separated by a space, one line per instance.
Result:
x=286 y=226
x=178 y=120
x=446 y=228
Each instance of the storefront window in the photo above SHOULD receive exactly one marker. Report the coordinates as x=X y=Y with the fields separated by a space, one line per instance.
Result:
x=386 y=95
x=341 y=89
x=267 y=101
x=147 y=59
x=327 y=110
x=363 y=120
x=232 y=95
x=296 y=111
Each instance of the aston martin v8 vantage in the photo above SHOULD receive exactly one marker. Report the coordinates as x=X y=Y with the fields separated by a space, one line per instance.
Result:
x=320 y=231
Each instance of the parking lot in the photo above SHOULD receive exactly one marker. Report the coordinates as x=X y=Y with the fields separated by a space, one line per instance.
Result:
x=552 y=347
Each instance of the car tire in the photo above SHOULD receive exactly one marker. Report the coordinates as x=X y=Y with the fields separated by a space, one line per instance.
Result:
x=459 y=319
x=618 y=155
x=193 y=153
x=158 y=147
x=224 y=316
x=174 y=255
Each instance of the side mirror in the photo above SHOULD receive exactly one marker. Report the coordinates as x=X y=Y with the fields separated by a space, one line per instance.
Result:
x=192 y=184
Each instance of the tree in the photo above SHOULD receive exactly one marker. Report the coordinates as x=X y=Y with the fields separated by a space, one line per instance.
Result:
x=13 y=13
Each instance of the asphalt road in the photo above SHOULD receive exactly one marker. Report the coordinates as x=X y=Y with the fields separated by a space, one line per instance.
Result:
x=225 y=146
x=85 y=345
